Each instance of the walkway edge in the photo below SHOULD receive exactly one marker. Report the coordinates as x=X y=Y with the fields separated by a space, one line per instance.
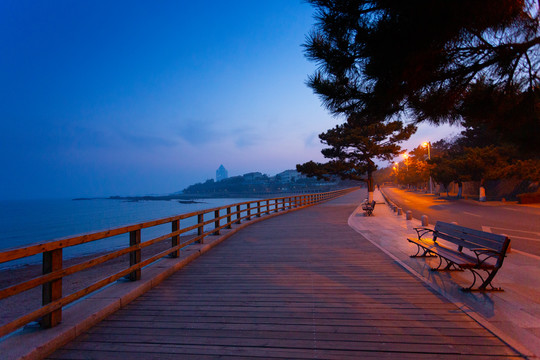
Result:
x=36 y=343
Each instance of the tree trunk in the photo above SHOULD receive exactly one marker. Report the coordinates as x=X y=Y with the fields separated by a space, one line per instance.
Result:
x=371 y=187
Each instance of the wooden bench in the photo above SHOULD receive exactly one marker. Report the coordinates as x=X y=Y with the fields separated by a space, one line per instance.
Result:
x=463 y=248
x=368 y=207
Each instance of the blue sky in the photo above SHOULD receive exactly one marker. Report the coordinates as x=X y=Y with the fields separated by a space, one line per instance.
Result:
x=102 y=98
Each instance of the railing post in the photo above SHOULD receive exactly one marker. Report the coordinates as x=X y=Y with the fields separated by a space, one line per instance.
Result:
x=175 y=240
x=248 y=211
x=200 y=229
x=135 y=256
x=238 y=212
x=276 y=208
x=216 y=222
x=258 y=209
x=229 y=217
x=267 y=207
x=52 y=290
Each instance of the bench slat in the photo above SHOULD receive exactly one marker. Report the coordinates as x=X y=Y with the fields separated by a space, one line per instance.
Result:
x=471 y=241
x=471 y=238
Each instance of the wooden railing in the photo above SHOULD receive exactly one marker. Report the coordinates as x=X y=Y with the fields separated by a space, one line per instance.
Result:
x=209 y=222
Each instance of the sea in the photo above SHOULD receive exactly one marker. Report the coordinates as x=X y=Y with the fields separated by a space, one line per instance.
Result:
x=25 y=222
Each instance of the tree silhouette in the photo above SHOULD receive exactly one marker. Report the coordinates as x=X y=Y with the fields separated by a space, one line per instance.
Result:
x=353 y=147
x=381 y=57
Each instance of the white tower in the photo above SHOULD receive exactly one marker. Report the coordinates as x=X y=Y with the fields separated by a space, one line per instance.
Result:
x=221 y=173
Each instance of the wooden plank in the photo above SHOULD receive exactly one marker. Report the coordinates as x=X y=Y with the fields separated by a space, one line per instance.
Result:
x=375 y=343
x=367 y=336
x=255 y=348
x=389 y=329
x=230 y=352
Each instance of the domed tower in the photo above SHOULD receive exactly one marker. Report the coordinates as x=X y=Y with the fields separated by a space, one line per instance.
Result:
x=221 y=173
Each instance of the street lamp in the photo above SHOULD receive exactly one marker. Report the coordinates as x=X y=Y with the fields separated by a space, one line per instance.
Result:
x=406 y=156
x=428 y=145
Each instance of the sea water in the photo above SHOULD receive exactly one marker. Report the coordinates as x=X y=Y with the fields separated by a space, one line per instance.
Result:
x=25 y=222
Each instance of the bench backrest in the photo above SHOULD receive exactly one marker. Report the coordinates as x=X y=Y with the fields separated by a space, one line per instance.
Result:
x=471 y=238
x=373 y=204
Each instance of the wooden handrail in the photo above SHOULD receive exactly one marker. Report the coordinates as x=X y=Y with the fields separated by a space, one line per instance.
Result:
x=50 y=313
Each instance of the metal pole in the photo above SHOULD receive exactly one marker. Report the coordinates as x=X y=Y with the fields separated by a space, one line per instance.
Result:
x=429 y=157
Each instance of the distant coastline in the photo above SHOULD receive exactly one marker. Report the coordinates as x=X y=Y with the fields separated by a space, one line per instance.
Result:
x=183 y=199
x=254 y=185
x=190 y=198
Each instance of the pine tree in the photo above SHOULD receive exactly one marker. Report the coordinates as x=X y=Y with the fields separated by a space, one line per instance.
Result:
x=381 y=57
x=353 y=147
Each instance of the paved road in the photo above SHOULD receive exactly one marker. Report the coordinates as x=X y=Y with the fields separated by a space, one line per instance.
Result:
x=520 y=222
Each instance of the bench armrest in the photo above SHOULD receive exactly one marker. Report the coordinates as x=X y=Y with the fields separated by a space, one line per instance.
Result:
x=488 y=253
x=421 y=231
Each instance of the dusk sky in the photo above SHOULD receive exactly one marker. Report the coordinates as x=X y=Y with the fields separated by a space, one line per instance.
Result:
x=102 y=98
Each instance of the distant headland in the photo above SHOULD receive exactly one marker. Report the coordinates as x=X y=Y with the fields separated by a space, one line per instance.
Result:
x=249 y=185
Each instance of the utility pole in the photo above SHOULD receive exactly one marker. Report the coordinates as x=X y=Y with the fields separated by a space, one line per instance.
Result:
x=428 y=145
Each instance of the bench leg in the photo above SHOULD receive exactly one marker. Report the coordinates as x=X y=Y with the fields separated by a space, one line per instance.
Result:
x=450 y=266
x=485 y=282
x=426 y=252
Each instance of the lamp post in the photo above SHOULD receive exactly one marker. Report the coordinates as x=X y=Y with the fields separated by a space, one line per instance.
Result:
x=406 y=156
x=428 y=145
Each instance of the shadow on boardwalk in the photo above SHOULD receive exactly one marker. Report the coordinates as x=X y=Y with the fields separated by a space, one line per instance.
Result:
x=304 y=285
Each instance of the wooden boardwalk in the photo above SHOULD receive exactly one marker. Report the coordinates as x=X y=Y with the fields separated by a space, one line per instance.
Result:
x=303 y=285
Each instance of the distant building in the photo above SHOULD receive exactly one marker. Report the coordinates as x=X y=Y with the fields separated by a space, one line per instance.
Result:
x=289 y=176
x=253 y=177
x=221 y=173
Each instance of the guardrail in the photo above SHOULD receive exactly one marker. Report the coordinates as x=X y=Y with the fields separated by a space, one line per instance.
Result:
x=50 y=314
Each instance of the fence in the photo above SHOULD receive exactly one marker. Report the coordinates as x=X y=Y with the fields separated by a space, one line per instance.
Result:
x=208 y=222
